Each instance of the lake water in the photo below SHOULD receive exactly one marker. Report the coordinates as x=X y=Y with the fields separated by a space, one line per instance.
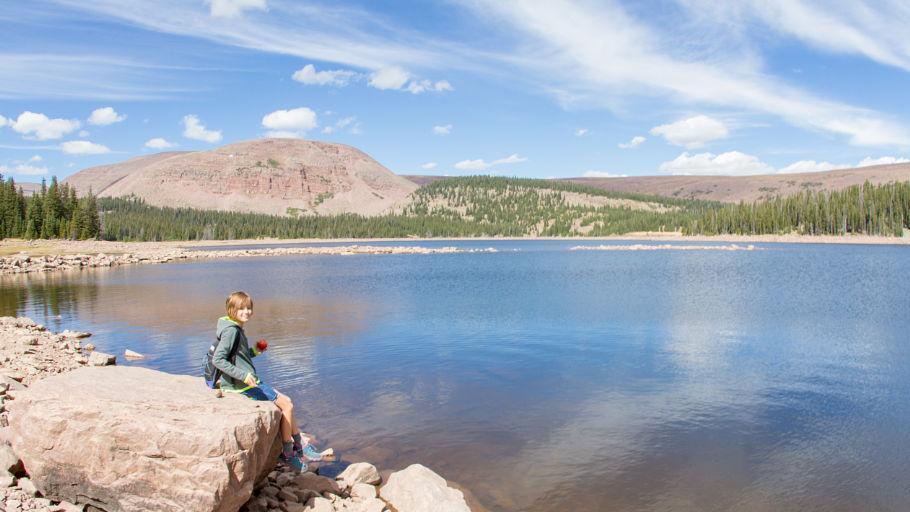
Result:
x=546 y=379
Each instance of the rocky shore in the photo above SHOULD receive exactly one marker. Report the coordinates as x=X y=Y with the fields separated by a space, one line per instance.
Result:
x=59 y=408
x=25 y=263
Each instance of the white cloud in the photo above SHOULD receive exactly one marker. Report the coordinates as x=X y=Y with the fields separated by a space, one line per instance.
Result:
x=3 y=121
x=193 y=129
x=810 y=166
x=397 y=78
x=350 y=123
x=83 y=147
x=30 y=170
x=42 y=127
x=290 y=124
x=418 y=87
x=159 y=143
x=636 y=141
x=581 y=132
x=511 y=159
x=442 y=130
x=731 y=163
x=105 y=116
x=84 y=133
x=884 y=160
x=234 y=8
x=603 y=174
x=472 y=165
x=309 y=76
x=392 y=77
x=692 y=132
x=35 y=158
x=429 y=166
x=482 y=165
x=598 y=53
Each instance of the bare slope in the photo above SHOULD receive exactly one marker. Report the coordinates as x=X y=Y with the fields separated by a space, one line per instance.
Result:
x=274 y=176
x=749 y=188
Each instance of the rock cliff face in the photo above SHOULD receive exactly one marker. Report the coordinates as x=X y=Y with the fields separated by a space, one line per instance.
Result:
x=130 y=438
x=274 y=176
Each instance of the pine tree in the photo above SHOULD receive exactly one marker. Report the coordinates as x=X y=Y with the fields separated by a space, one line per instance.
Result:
x=53 y=207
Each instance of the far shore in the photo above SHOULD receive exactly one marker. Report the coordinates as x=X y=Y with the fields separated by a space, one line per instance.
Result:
x=61 y=247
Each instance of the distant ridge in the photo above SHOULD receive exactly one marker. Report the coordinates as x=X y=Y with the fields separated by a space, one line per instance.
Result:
x=733 y=189
x=273 y=176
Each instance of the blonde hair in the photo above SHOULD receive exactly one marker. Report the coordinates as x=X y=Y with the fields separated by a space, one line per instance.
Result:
x=235 y=301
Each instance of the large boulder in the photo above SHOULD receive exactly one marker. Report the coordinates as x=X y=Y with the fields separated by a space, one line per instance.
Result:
x=129 y=438
x=418 y=489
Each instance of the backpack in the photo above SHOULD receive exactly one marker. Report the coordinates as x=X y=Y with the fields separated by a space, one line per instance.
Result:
x=209 y=371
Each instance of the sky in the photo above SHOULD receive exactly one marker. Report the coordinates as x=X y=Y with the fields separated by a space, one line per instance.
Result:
x=554 y=89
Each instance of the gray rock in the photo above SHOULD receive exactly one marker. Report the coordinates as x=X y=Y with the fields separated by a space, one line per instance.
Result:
x=319 y=505
x=101 y=359
x=65 y=506
x=363 y=491
x=287 y=495
x=370 y=505
x=359 y=472
x=317 y=483
x=418 y=489
x=9 y=461
x=293 y=506
x=13 y=505
x=138 y=439
x=27 y=486
x=7 y=479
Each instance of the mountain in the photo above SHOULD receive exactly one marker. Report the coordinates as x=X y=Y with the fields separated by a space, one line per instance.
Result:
x=733 y=189
x=273 y=176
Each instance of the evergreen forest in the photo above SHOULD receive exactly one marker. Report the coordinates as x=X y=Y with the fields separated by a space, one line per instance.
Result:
x=466 y=207
x=52 y=212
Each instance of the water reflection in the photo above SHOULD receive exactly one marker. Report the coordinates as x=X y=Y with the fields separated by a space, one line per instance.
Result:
x=555 y=380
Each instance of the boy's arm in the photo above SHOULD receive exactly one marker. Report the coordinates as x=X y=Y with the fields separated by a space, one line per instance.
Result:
x=220 y=357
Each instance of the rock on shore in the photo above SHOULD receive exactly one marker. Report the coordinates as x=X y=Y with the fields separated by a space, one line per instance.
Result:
x=131 y=438
x=24 y=264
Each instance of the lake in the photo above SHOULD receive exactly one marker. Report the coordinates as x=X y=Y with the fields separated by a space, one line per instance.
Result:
x=542 y=379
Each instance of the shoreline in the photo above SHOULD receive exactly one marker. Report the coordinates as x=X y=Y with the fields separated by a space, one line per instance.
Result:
x=9 y=247
x=21 y=257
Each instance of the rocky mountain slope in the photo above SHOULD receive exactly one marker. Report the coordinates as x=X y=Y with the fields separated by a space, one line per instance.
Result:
x=732 y=189
x=273 y=176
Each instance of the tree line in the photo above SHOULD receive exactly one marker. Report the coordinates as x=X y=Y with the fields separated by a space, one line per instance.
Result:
x=465 y=207
x=51 y=212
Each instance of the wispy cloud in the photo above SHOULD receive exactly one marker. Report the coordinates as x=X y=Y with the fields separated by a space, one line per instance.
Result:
x=636 y=141
x=336 y=78
x=85 y=76
x=599 y=52
x=83 y=147
x=442 y=129
x=482 y=165
x=234 y=8
x=159 y=143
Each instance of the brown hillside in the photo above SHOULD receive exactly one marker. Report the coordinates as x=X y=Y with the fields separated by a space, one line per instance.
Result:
x=733 y=189
x=274 y=176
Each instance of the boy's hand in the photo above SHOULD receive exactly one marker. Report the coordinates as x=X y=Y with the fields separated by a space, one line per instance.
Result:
x=250 y=381
x=261 y=345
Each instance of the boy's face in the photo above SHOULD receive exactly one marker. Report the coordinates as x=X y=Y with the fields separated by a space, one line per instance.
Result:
x=244 y=314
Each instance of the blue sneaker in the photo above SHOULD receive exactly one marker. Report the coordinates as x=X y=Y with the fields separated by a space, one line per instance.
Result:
x=307 y=452
x=294 y=462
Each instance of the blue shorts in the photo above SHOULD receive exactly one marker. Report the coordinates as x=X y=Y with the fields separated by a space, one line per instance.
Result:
x=262 y=392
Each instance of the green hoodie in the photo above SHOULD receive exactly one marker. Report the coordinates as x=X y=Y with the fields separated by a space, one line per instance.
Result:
x=233 y=374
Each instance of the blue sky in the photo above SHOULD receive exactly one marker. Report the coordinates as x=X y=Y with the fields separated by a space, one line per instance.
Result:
x=521 y=88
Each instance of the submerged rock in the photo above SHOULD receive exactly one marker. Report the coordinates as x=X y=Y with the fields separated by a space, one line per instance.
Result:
x=129 y=438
